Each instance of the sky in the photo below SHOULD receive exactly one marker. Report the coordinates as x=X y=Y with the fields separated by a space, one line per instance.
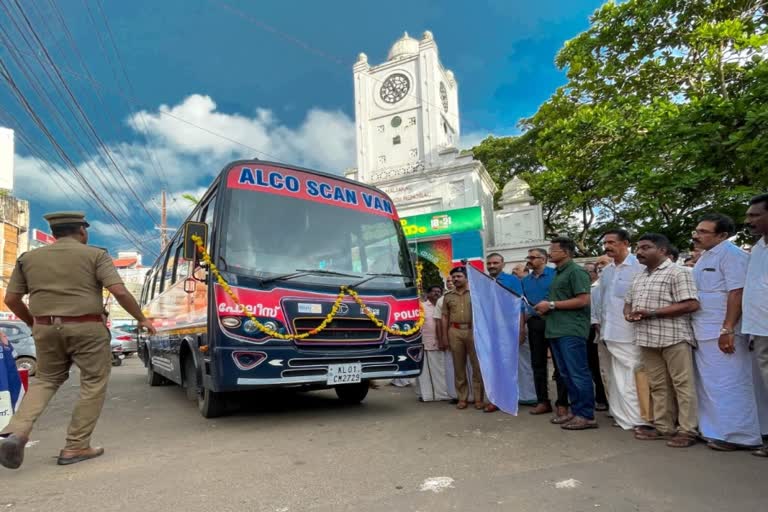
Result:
x=145 y=96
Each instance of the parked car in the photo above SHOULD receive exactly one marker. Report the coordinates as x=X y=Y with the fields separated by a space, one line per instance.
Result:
x=126 y=338
x=20 y=336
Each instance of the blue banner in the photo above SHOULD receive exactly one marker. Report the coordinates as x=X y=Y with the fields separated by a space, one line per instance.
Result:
x=496 y=326
x=11 y=391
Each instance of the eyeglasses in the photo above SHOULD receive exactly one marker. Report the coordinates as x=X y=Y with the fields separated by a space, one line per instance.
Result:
x=702 y=232
x=531 y=258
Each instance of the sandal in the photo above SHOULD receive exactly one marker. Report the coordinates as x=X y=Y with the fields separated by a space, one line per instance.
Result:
x=561 y=420
x=682 y=441
x=650 y=435
x=762 y=452
x=479 y=406
x=601 y=407
x=461 y=405
x=725 y=446
x=579 y=423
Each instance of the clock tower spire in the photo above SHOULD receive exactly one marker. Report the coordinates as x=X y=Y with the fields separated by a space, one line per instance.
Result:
x=406 y=110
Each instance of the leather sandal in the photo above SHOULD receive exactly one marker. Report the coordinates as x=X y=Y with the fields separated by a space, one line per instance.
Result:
x=490 y=408
x=479 y=406
x=542 y=408
x=561 y=420
x=461 y=404
x=725 y=446
x=67 y=457
x=579 y=423
x=650 y=435
x=762 y=452
x=681 y=441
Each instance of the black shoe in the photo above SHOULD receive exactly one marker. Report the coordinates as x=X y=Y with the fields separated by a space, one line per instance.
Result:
x=454 y=401
x=12 y=451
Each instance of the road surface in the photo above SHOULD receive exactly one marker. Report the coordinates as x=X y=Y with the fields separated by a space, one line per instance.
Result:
x=306 y=452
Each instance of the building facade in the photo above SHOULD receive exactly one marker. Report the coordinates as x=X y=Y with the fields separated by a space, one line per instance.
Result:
x=408 y=130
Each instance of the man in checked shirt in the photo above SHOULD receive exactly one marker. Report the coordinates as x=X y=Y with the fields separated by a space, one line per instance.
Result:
x=659 y=304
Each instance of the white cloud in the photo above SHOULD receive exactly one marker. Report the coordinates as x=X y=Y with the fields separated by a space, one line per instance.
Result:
x=183 y=157
x=325 y=139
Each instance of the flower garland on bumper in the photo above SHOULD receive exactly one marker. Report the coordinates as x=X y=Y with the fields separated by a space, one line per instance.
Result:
x=343 y=291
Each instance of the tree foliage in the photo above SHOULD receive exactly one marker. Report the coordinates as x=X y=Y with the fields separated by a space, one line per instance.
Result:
x=664 y=116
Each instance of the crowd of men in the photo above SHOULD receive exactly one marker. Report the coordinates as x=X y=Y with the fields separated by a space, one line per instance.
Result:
x=686 y=342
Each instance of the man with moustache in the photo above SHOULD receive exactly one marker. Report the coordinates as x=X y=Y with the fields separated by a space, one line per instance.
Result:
x=754 y=302
x=431 y=382
x=727 y=408
x=536 y=288
x=617 y=334
x=659 y=303
x=567 y=329
x=457 y=327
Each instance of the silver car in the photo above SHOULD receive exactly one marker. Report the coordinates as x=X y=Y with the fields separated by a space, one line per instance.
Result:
x=126 y=336
x=20 y=336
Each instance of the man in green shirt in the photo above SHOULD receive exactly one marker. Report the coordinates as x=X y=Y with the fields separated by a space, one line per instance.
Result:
x=567 y=328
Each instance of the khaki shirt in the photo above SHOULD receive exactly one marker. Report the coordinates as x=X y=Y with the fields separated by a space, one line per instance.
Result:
x=64 y=279
x=458 y=307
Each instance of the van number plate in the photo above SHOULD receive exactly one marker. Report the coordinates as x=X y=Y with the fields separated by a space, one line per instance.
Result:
x=347 y=373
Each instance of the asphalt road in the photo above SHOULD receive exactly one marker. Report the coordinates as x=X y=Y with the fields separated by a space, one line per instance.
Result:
x=305 y=451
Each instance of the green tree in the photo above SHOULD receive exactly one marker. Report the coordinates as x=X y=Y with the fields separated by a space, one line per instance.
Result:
x=664 y=116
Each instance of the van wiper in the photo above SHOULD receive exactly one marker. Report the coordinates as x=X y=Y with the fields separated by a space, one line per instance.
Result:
x=304 y=272
x=373 y=275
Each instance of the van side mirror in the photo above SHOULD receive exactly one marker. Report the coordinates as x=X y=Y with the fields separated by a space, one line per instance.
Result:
x=191 y=229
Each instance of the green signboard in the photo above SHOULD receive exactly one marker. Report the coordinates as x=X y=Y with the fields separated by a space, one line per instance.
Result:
x=443 y=223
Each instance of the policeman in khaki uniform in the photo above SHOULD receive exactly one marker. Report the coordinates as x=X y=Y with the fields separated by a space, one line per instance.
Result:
x=457 y=322
x=65 y=283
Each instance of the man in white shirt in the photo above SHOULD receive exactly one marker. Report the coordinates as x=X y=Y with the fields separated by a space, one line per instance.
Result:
x=432 y=381
x=625 y=357
x=727 y=408
x=754 y=303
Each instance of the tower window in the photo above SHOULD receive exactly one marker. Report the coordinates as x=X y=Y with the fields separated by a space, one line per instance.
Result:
x=412 y=121
x=396 y=140
x=380 y=128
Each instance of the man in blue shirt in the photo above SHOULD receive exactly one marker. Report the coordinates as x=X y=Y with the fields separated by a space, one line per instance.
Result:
x=536 y=289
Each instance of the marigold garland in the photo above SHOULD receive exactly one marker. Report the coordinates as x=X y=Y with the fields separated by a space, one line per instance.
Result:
x=343 y=291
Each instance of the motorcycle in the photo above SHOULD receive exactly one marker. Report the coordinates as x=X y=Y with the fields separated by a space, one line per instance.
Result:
x=117 y=353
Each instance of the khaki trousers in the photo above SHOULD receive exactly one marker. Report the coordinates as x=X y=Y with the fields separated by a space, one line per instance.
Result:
x=58 y=347
x=673 y=388
x=462 y=344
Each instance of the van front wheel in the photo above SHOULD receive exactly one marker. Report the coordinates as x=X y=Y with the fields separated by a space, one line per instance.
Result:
x=352 y=393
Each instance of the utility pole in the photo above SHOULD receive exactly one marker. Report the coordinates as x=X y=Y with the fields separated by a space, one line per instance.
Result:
x=163 y=223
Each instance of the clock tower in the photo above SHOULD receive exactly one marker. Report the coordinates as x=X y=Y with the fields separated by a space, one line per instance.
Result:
x=406 y=111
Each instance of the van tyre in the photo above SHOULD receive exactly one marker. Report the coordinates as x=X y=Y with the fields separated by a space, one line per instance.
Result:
x=352 y=393
x=211 y=404
x=153 y=378
x=191 y=380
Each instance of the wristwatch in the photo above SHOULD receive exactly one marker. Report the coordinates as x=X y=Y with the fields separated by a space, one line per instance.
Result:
x=551 y=305
x=727 y=331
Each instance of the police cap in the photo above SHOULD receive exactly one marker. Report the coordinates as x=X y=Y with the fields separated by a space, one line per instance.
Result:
x=62 y=218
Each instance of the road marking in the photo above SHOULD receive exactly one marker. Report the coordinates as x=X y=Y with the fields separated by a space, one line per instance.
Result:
x=437 y=484
x=567 y=484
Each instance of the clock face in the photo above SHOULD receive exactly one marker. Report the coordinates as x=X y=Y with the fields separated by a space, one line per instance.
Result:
x=395 y=88
x=444 y=96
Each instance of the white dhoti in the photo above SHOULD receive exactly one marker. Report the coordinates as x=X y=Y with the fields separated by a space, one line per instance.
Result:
x=525 y=386
x=726 y=393
x=431 y=385
x=623 y=403
x=450 y=382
